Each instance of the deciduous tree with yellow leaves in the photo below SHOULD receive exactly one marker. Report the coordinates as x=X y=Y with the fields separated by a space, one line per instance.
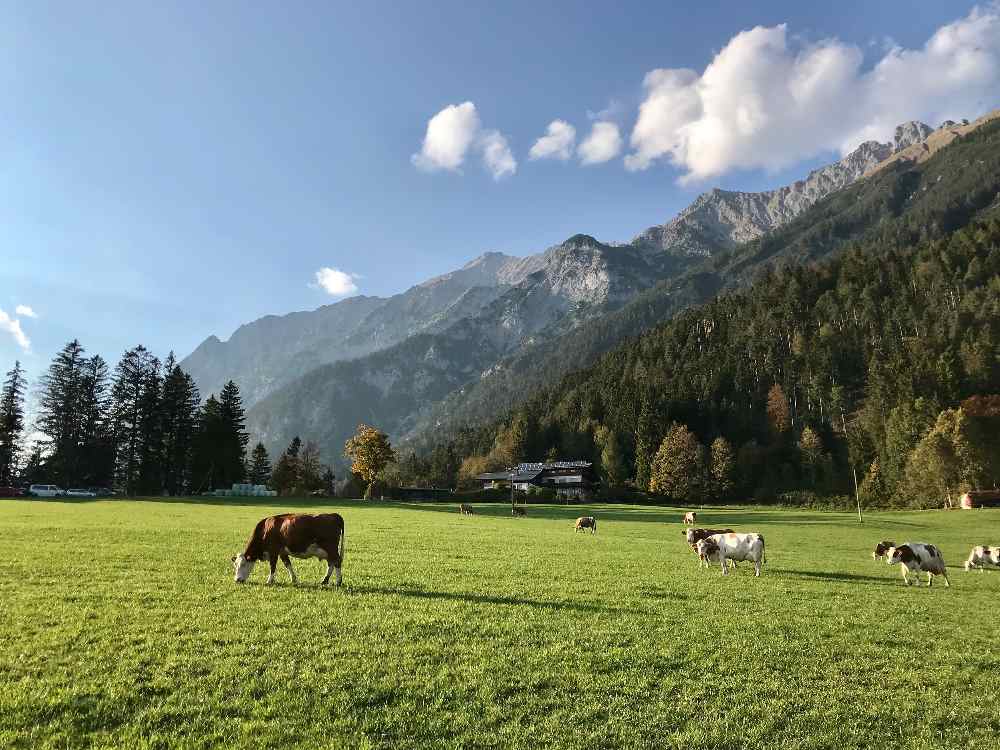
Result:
x=370 y=452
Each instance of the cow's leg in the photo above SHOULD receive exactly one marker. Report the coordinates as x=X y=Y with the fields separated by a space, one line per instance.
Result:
x=333 y=563
x=725 y=567
x=288 y=564
x=944 y=575
x=756 y=567
x=272 y=560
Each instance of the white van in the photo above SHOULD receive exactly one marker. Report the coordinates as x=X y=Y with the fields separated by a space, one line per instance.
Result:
x=45 y=490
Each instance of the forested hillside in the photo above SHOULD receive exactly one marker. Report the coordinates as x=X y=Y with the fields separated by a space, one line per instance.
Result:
x=893 y=209
x=862 y=362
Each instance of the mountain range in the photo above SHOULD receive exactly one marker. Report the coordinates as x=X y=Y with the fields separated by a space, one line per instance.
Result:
x=462 y=346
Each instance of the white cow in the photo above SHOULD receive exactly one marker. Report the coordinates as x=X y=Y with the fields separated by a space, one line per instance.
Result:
x=690 y=518
x=722 y=547
x=983 y=557
x=918 y=558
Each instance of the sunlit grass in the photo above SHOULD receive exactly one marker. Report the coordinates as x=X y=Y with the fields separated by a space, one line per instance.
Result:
x=122 y=627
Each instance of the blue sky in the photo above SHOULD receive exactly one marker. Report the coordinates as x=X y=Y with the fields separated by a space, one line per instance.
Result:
x=174 y=170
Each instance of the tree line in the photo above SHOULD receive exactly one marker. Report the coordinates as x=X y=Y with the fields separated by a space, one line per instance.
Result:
x=141 y=427
x=879 y=364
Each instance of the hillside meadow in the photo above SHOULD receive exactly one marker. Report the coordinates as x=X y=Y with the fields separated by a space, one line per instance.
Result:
x=122 y=627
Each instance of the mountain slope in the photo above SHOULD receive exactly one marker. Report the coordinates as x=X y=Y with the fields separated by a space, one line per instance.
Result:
x=895 y=207
x=270 y=352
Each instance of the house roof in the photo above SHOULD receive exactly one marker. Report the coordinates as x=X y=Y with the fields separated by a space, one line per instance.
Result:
x=519 y=476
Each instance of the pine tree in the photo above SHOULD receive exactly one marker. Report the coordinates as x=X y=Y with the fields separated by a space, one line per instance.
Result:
x=96 y=441
x=811 y=454
x=133 y=414
x=59 y=415
x=285 y=478
x=179 y=420
x=613 y=470
x=232 y=450
x=329 y=481
x=205 y=454
x=260 y=465
x=11 y=423
x=150 y=479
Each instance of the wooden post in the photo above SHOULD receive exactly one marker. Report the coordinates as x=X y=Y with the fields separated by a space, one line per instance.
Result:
x=857 y=494
x=512 y=475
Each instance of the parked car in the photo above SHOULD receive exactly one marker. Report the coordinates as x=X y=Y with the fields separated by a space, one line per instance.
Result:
x=11 y=492
x=45 y=490
x=102 y=491
x=80 y=493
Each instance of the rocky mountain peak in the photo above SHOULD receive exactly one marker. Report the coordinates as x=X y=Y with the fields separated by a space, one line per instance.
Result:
x=909 y=133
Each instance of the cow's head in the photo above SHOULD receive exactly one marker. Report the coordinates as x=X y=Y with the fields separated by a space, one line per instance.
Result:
x=242 y=567
x=689 y=534
x=901 y=554
x=882 y=549
x=706 y=548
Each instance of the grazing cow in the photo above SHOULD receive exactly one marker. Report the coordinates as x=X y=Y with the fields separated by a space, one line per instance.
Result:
x=881 y=549
x=296 y=535
x=518 y=511
x=918 y=557
x=690 y=518
x=586 y=522
x=693 y=536
x=465 y=509
x=723 y=547
x=983 y=557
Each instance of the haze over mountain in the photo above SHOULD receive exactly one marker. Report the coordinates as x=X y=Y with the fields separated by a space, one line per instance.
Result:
x=428 y=354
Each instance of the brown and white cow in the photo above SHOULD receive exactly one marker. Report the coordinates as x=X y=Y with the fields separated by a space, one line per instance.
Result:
x=294 y=535
x=983 y=557
x=693 y=536
x=722 y=547
x=586 y=522
x=918 y=558
x=690 y=518
x=465 y=509
x=881 y=549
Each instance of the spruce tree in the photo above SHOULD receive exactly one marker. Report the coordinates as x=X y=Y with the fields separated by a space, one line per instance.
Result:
x=285 y=477
x=178 y=414
x=11 y=423
x=96 y=443
x=232 y=450
x=206 y=455
x=59 y=415
x=134 y=415
x=260 y=465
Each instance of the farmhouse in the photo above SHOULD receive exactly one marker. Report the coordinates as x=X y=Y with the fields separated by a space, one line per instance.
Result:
x=980 y=499
x=570 y=479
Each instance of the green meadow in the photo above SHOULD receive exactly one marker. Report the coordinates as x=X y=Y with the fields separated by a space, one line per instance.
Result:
x=122 y=627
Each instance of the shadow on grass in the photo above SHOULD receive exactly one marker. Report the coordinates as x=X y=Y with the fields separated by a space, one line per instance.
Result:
x=822 y=575
x=473 y=598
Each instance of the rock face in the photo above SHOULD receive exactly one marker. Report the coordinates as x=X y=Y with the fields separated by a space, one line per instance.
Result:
x=720 y=219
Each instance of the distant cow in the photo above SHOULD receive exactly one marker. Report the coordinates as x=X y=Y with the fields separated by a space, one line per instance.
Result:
x=465 y=509
x=722 y=547
x=983 y=557
x=881 y=549
x=918 y=558
x=586 y=522
x=517 y=511
x=296 y=535
x=690 y=518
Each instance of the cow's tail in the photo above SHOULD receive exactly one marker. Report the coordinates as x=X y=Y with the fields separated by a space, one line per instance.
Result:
x=343 y=536
x=763 y=554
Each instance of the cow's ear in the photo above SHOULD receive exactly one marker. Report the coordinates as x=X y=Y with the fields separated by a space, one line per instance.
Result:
x=232 y=559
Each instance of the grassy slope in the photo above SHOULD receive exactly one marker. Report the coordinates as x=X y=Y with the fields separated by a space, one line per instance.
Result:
x=123 y=627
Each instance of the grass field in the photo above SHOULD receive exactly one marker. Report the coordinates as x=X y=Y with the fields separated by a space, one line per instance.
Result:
x=121 y=626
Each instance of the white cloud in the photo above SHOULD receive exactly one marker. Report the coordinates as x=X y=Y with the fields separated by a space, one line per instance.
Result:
x=557 y=143
x=768 y=101
x=336 y=282
x=13 y=327
x=497 y=156
x=456 y=130
x=25 y=312
x=603 y=144
x=450 y=133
